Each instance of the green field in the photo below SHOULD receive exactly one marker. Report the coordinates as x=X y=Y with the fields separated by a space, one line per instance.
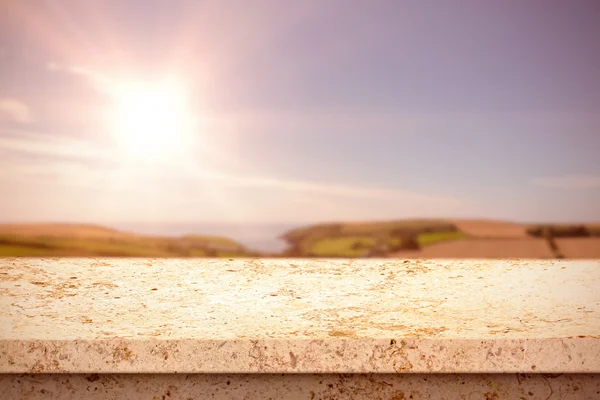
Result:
x=357 y=239
x=351 y=246
x=425 y=239
x=24 y=251
x=372 y=229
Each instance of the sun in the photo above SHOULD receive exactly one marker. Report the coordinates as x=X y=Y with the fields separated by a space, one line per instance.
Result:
x=152 y=119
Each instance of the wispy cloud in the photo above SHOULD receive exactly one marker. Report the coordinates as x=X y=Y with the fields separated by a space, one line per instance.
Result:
x=339 y=190
x=569 y=182
x=63 y=155
x=13 y=110
x=99 y=81
x=42 y=145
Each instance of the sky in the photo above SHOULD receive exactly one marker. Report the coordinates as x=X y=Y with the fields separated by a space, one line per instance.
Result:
x=299 y=112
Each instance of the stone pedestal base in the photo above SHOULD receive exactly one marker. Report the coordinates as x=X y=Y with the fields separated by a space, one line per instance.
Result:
x=299 y=386
x=299 y=329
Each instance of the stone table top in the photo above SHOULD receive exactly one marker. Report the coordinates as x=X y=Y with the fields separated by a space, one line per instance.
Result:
x=291 y=315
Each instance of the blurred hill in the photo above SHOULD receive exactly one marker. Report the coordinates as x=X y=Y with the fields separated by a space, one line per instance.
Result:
x=79 y=240
x=440 y=238
x=419 y=238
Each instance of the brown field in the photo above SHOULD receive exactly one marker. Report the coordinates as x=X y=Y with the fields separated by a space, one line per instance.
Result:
x=481 y=228
x=62 y=230
x=579 y=247
x=483 y=248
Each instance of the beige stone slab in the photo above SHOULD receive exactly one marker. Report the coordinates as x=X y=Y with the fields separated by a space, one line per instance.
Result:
x=304 y=386
x=274 y=315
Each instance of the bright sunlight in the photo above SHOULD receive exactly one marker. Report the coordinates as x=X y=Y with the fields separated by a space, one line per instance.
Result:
x=152 y=119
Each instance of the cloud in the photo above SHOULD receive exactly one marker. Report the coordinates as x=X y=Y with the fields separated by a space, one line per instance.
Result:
x=101 y=82
x=569 y=182
x=339 y=190
x=71 y=158
x=47 y=146
x=15 y=111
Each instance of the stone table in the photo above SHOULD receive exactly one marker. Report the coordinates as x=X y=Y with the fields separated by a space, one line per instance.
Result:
x=290 y=328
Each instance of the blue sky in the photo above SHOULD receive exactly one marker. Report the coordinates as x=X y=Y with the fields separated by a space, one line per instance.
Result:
x=309 y=111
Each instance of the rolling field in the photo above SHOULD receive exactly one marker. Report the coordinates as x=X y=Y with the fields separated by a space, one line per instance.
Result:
x=357 y=239
x=481 y=228
x=580 y=247
x=439 y=238
x=66 y=240
x=352 y=246
x=482 y=248
x=425 y=238
x=357 y=246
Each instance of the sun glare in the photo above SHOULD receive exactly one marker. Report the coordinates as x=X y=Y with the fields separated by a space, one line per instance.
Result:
x=152 y=120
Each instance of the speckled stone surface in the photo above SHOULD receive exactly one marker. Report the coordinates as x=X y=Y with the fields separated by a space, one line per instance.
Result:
x=310 y=316
x=301 y=386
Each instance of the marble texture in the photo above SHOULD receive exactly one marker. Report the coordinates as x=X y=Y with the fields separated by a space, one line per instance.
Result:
x=289 y=316
x=303 y=386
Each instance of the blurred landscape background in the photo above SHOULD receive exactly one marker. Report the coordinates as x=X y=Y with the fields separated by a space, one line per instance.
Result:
x=403 y=239
x=218 y=128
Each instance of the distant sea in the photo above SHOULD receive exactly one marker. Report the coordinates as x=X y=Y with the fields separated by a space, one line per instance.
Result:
x=261 y=237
